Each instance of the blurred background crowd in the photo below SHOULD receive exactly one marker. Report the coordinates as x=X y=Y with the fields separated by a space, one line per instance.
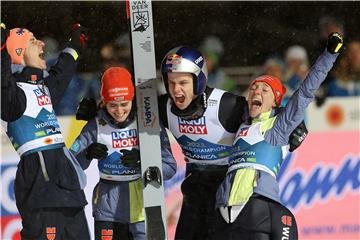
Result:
x=240 y=40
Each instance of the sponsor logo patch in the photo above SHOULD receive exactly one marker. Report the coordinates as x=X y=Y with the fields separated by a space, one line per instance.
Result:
x=243 y=132
x=125 y=139
x=173 y=59
x=42 y=97
x=107 y=234
x=286 y=220
x=50 y=233
x=197 y=126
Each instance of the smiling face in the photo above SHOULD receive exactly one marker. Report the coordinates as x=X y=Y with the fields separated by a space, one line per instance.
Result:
x=34 y=53
x=261 y=99
x=119 y=110
x=181 y=89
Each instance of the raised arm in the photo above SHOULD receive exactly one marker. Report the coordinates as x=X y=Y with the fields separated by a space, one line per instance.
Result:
x=294 y=111
x=63 y=71
x=13 y=100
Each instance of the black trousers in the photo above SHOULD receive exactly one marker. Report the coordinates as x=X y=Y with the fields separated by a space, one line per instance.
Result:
x=112 y=231
x=197 y=211
x=54 y=223
x=260 y=219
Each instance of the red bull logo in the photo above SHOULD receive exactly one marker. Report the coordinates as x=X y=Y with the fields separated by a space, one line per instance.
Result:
x=42 y=97
x=197 y=126
x=173 y=59
x=125 y=139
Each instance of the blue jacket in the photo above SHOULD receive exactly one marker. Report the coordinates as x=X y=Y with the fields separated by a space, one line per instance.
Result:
x=277 y=134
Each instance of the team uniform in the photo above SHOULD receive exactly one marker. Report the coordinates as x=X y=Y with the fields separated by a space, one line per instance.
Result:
x=117 y=198
x=49 y=181
x=205 y=130
x=118 y=207
x=206 y=143
x=248 y=199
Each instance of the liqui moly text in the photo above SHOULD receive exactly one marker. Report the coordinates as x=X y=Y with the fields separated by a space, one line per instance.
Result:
x=197 y=126
x=42 y=97
x=124 y=139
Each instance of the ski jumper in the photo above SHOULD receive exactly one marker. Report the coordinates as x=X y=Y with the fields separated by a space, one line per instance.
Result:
x=49 y=181
x=248 y=198
x=206 y=143
x=117 y=198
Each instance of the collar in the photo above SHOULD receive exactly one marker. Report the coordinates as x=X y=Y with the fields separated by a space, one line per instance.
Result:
x=266 y=115
x=31 y=75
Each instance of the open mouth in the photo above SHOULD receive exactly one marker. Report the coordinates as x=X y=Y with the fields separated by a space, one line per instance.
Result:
x=180 y=99
x=256 y=104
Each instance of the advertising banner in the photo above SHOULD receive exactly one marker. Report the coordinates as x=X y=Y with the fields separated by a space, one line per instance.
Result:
x=319 y=183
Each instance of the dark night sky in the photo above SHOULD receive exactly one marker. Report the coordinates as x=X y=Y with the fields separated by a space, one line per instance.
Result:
x=251 y=31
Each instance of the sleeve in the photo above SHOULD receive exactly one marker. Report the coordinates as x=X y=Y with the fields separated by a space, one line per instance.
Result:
x=169 y=165
x=232 y=110
x=87 y=136
x=61 y=74
x=294 y=111
x=13 y=99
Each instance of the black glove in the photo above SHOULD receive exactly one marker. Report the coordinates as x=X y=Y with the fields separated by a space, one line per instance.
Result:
x=96 y=150
x=86 y=109
x=4 y=36
x=78 y=38
x=335 y=43
x=298 y=136
x=130 y=158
